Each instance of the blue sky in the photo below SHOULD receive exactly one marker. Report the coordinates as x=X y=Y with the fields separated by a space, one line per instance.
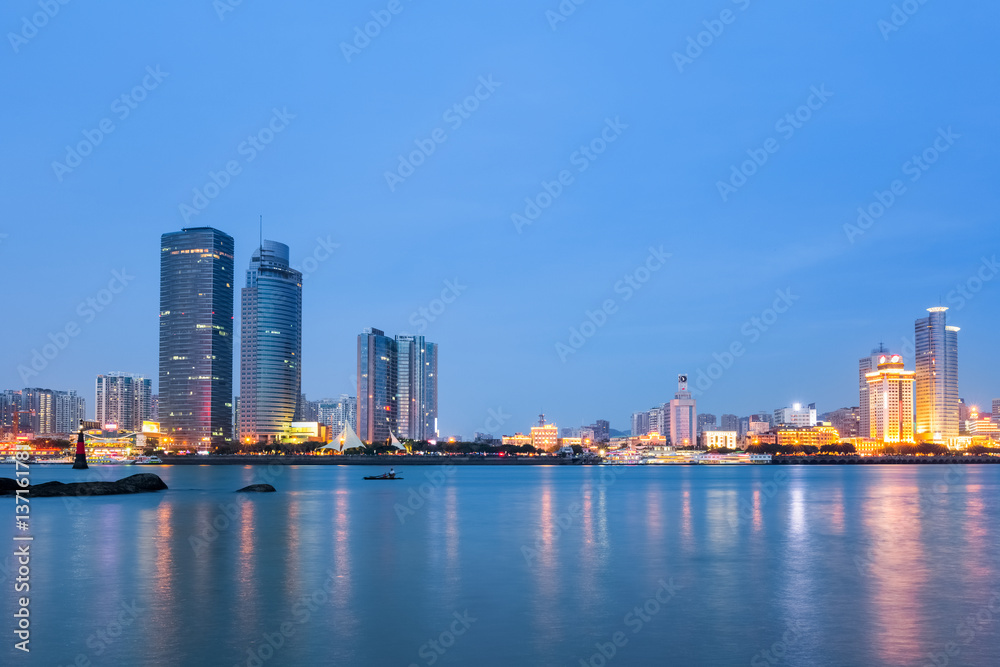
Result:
x=554 y=87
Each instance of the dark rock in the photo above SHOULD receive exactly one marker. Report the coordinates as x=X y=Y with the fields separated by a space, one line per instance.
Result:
x=257 y=488
x=8 y=485
x=140 y=483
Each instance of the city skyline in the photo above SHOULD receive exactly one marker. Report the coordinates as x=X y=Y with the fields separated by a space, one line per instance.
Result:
x=323 y=191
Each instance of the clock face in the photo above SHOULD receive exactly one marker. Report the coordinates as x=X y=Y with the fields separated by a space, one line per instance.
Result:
x=883 y=359
x=682 y=378
x=896 y=359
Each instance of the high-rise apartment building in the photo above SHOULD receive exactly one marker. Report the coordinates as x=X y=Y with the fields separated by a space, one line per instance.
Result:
x=416 y=393
x=270 y=345
x=196 y=337
x=70 y=409
x=729 y=423
x=996 y=410
x=847 y=421
x=123 y=399
x=38 y=415
x=937 y=376
x=336 y=413
x=376 y=386
x=681 y=416
x=890 y=401
x=640 y=423
x=706 y=422
x=656 y=420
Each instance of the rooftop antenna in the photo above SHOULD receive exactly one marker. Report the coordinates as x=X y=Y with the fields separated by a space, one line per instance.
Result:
x=262 y=236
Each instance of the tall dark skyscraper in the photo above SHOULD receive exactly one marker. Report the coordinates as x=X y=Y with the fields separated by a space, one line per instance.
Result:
x=376 y=386
x=416 y=388
x=270 y=344
x=196 y=337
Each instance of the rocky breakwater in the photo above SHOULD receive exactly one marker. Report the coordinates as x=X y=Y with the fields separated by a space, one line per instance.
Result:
x=141 y=483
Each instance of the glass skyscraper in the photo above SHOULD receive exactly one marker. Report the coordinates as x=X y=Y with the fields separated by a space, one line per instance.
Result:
x=376 y=386
x=937 y=375
x=270 y=344
x=196 y=337
x=416 y=393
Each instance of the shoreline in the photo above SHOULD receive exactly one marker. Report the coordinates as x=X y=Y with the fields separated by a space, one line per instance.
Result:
x=392 y=461
x=383 y=461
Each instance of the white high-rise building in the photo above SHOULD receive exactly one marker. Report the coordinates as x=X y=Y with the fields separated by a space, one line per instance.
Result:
x=336 y=413
x=890 y=401
x=797 y=415
x=937 y=376
x=123 y=399
x=70 y=410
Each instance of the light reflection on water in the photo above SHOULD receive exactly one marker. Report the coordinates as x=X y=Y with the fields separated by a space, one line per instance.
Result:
x=875 y=565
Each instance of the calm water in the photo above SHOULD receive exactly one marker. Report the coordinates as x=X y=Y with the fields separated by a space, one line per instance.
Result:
x=530 y=566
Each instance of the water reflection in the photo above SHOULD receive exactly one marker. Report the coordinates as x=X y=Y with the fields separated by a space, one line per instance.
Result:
x=896 y=576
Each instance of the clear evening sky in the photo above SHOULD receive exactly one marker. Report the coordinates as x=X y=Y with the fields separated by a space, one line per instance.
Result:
x=671 y=127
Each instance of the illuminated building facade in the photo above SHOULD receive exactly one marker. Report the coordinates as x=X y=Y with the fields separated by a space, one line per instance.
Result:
x=681 y=416
x=890 y=401
x=797 y=416
x=376 y=386
x=544 y=436
x=717 y=439
x=270 y=345
x=937 y=376
x=196 y=337
x=867 y=365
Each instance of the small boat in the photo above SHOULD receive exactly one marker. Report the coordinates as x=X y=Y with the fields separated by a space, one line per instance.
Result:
x=385 y=477
x=147 y=460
